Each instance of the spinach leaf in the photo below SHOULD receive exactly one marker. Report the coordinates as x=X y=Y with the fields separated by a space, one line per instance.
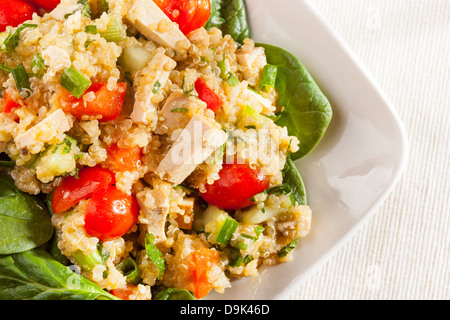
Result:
x=24 y=220
x=230 y=16
x=292 y=177
x=35 y=275
x=307 y=112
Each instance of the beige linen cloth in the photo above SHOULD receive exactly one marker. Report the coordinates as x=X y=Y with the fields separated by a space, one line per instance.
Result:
x=403 y=253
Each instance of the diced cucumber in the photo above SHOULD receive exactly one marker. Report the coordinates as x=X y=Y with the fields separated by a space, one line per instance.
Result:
x=249 y=117
x=256 y=215
x=57 y=159
x=134 y=59
x=219 y=225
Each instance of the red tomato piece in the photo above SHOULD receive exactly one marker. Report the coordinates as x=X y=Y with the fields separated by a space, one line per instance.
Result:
x=237 y=183
x=73 y=190
x=110 y=213
x=97 y=100
x=212 y=99
x=200 y=265
x=124 y=159
x=15 y=12
x=46 y=4
x=189 y=14
x=10 y=102
x=123 y=293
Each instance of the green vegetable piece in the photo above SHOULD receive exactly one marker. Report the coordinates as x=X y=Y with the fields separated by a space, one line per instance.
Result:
x=75 y=82
x=232 y=80
x=87 y=262
x=24 y=220
x=114 y=32
x=307 y=111
x=38 y=65
x=249 y=117
x=21 y=79
x=268 y=77
x=174 y=294
x=134 y=59
x=226 y=232
x=231 y=17
x=12 y=40
x=287 y=248
x=131 y=270
x=154 y=254
x=292 y=177
x=92 y=29
x=36 y=275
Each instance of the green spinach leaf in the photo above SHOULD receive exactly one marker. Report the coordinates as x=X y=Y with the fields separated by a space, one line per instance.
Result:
x=307 y=111
x=24 y=220
x=292 y=177
x=35 y=275
x=230 y=16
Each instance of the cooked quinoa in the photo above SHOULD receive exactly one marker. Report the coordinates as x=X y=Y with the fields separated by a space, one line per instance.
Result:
x=29 y=132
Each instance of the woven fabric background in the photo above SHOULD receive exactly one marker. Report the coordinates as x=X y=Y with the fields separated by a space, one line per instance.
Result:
x=403 y=253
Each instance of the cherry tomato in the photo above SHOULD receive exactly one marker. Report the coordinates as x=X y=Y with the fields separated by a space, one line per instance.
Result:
x=73 y=190
x=15 y=12
x=189 y=14
x=237 y=183
x=212 y=99
x=106 y=103
x=46 y=4
x=110 y=213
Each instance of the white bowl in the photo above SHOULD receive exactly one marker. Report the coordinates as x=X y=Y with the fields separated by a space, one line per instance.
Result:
x=356 y=164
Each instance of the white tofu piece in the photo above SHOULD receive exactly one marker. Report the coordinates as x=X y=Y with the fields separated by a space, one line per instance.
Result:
x=177 y=112
x=46 y=130
x=195 y=144
x=154 y=204
x=147 y=18
x=158 y=70
x=253 y=61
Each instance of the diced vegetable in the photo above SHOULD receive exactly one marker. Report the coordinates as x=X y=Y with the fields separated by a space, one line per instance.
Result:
x=131 y=270
x=249 y=117
x=212 y=99
x=174 y=294
x=219 y=225
x=87 y=262
x=114 y=31
x=200 y=265
x=75 y=82
x=154 y=254
x=10 y=103
x=268 y=78
x=57 y=159
x=256 y=215
x=124 y=159
x=38 y=65
x=134 y=59
x=73 y=190
x=123 y=293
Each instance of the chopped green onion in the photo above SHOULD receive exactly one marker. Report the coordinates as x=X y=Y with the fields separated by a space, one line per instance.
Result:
x=179 y=110
x=12 y=40
x=21 y=78
x=154 y=254
x=232 y=80
x=113 y=31
x=156 y=87
x=91 y=29
x=223 y=68
x=269 y=77
x=87 y=43
x=75 y=82
x=258 y=230
x=38 y=65
x=5 y=68
x=131 y=270
x=87 y=262
x=226 y=232
x=174 y=294
x=287 y=248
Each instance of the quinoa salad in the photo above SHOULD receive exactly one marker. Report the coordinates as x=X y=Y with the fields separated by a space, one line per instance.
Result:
x=153 y=142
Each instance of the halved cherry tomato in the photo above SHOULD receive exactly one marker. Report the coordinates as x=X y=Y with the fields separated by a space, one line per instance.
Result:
x=47 y=4
x=124 y=159
x=200 y=265
x=97 y=100
x=15 y=12
x=212 y=99
x=237 y=183
x=123 y=293
x=110 y=213
x=189 y=14
x=73 y=190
